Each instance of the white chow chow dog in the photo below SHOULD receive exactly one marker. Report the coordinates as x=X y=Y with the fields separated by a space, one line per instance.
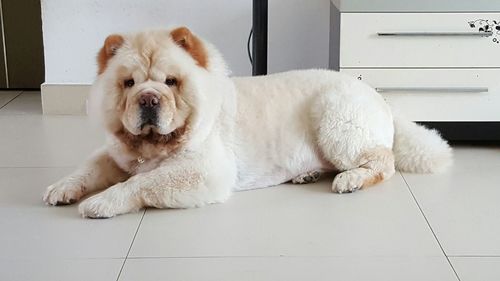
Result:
x=181 y=133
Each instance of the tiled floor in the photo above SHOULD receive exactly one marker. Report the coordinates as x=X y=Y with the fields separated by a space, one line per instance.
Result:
x=413 y=227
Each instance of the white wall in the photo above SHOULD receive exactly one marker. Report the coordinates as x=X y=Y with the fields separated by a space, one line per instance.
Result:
x=298 y=34
x=74 y=30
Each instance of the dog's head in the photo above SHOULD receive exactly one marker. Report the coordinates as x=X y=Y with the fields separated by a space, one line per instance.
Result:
x=150 y=84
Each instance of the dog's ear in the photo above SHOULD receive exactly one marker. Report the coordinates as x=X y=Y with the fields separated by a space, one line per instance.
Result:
x=111 y=45
x=183 y=37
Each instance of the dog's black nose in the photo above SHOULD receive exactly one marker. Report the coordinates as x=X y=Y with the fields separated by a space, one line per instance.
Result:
x=148 y=100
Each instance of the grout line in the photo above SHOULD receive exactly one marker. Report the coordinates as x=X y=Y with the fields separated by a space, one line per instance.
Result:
x=20 y=92
x=130 y=248
x=430 y=227
x=78 y=258
x=275 y=257
x=474 y=256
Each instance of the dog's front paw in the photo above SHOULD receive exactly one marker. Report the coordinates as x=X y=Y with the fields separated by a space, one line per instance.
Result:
x=114 y=201
x=64 y=192
x=98 y=206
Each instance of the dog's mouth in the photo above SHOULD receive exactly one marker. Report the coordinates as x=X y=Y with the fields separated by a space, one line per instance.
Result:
x=151 y=126
x=149 y=120
x=148 y=127
x=150 y=135
x=155 y=137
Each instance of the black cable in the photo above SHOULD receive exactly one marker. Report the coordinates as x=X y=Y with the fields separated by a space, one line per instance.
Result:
x=248 y=46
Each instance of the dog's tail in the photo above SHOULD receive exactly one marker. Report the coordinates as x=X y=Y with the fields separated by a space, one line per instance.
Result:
x=418 y=149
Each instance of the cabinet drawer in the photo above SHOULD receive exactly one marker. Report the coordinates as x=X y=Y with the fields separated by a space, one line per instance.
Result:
x=420 y=40
x=437 y=94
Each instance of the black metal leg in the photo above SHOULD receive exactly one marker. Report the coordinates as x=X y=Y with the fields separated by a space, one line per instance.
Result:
x=259 y=42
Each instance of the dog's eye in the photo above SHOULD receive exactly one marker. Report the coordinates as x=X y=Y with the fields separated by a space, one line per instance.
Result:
x=128 y=83
x=170 y=81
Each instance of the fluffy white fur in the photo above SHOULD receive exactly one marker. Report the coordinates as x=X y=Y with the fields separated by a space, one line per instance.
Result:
x=247 y=133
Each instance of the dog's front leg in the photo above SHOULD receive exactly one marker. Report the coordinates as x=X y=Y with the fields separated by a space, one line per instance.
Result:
x=97 y=173
x=178 y=185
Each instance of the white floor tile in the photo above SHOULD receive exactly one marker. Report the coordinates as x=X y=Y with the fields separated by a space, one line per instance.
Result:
x=289 y=269
x=471 y=158
x=46 y=141
x=7 y=96
x=26 y=103
x=462 y=204
x=59 y=269
x=30 y=229
x=477 y=268
x=291 y=220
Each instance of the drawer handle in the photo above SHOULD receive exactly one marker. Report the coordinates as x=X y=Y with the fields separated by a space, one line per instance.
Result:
x=434 y=89
x=425 y=33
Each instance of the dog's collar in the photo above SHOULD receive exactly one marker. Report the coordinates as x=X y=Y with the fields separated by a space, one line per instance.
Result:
x=141 y=160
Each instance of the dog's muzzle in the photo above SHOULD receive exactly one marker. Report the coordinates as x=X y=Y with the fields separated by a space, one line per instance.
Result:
x=149 y=105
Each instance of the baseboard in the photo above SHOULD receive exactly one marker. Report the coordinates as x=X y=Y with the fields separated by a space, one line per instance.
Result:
x=64 y=99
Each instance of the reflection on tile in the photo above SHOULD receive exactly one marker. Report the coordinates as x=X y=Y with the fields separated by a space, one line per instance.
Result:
x=25 y=103
x=7 y=96
x=47 y=141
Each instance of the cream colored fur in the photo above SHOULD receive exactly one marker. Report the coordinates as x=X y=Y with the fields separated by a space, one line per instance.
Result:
x=247 y=133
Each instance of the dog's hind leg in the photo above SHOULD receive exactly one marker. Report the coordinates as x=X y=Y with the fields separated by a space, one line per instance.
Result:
x=305 y=178
x=374 y=166
x=355 y=134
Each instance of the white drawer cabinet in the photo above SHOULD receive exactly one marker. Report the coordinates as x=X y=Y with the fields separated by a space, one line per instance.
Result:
x=433 y=66
x=420 y=40
x=438 y=94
